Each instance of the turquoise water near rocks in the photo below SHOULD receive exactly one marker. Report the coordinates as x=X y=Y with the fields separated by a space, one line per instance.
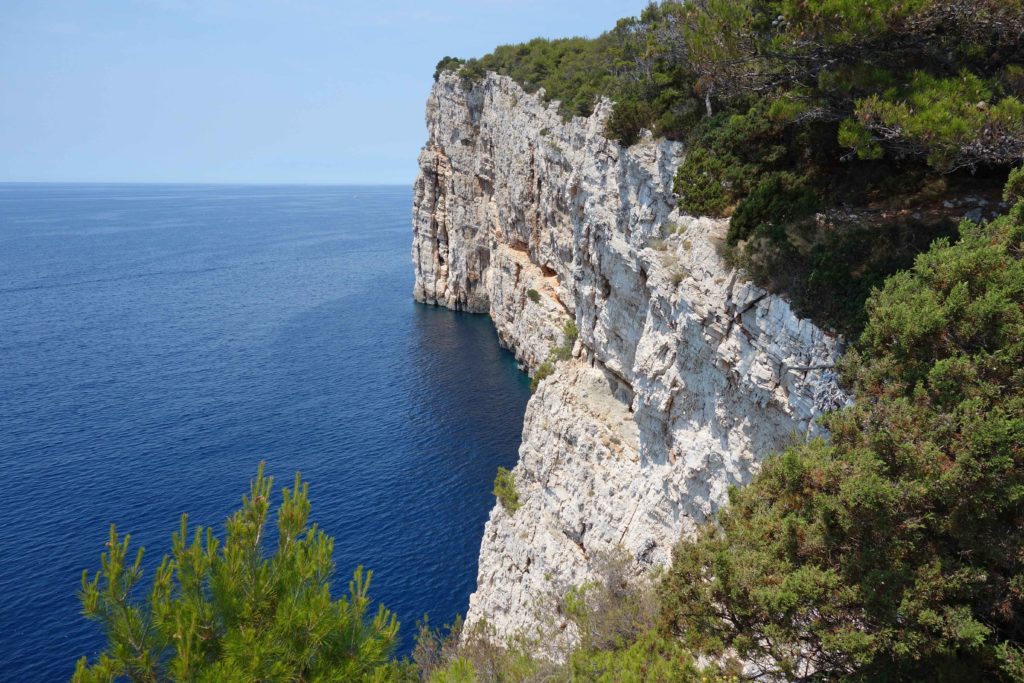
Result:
x=157 y=342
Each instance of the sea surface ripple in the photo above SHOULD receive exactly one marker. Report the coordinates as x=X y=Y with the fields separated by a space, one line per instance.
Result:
x=157 y=342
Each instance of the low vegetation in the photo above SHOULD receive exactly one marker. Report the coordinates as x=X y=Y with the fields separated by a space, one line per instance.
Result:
x=559 y=353
x=613 y=620
x=506 y=492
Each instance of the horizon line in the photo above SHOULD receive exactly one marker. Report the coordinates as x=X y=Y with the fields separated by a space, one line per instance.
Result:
x=203 y=182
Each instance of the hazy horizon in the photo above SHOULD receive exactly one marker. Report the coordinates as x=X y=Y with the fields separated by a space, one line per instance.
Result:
x=226 y=183
x=192 y=92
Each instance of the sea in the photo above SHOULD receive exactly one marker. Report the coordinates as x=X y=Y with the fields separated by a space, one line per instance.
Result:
x=158 y=341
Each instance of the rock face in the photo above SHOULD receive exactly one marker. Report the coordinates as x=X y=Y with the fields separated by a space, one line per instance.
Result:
x=684 y=377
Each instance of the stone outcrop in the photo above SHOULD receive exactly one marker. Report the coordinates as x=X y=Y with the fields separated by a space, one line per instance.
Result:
x=684 y=377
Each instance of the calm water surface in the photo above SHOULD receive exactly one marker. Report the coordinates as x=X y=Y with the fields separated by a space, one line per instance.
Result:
x=156 y=342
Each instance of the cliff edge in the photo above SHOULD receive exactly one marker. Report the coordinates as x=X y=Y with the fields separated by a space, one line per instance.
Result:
x=684 y=376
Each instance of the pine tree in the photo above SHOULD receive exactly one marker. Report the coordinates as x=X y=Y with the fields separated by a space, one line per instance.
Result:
x=229 y=612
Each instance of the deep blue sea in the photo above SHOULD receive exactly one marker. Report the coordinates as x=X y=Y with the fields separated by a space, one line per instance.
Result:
x=157 y=342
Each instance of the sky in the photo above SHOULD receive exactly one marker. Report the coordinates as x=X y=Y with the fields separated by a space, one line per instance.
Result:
x=243 y=91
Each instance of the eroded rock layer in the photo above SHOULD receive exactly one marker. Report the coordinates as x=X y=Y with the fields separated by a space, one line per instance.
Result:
x=684 y=377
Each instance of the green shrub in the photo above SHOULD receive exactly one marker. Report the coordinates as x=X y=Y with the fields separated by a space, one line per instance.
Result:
x=533 y=295
x=1014 y=190
x=1012 y=80
x=564 y=350
x=458 y=671
x=447 y=64
x=778 y=200
x=472 y=71
x=627 y=119
x=234 y=611
x=505 y=490
x=570 y=334
x=650 y=658
x=727 y=155
x=543 y=371
x=952 y=122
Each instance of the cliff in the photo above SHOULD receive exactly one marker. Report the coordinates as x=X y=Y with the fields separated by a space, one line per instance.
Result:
x=684 y=377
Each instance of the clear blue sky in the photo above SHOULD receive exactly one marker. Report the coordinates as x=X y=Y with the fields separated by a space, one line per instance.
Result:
x=290 y=91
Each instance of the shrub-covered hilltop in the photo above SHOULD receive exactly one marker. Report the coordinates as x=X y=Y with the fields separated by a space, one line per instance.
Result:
x=842 y=136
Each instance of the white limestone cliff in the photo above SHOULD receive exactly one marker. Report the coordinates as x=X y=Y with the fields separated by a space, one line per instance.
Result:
x=684 y=378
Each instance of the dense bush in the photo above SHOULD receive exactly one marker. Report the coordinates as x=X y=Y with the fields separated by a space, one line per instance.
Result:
x=779 y=199
x=533 y=295
x=947 y=121
x=897 y=551
x=828 y=272
x=728 y=154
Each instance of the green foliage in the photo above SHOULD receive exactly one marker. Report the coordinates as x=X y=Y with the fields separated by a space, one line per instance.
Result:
x=543 y=371
x=948 y=121
x=855 y=137
x=640 y=65
x=463 y=655
x=230 y=612
x=1014 y=190
x=778 y=200
x=728 y=155
x=570 y=333
x=828 y=272
x=627 y=119
x=505 y=490
x=651 y=658
x=1012 y=80
x=533 y=295
x=559 y=353
x=458 y=671
x=447 y=64
x=897 y=551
